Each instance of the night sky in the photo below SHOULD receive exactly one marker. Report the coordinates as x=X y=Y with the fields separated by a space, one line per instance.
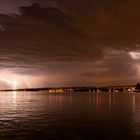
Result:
x=69 y=42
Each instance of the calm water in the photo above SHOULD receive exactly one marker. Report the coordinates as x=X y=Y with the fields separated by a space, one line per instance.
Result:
x=42 y=116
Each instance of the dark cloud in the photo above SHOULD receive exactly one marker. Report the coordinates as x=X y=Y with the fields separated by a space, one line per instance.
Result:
x=112 y=23
x=49 y=14
x=117 y=67
x=36 y=36
x=71 y=41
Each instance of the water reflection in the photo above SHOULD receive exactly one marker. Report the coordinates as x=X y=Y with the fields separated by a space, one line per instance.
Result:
x=110 y=101
x=69 y=116
x=14 y=97
x=133 y=102
x=97 y=101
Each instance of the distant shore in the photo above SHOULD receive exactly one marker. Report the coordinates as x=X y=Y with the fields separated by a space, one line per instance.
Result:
x=126 y=88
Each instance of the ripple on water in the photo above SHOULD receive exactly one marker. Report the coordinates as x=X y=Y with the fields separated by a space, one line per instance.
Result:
x=40 y=116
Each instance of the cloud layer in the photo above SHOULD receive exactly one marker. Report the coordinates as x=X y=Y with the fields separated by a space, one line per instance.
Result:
x=71 y=42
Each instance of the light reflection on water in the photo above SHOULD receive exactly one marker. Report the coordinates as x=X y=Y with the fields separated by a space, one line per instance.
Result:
x=14 y=97
x=37 y=116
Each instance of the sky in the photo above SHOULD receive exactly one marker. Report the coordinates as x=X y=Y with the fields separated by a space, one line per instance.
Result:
x=55 y=43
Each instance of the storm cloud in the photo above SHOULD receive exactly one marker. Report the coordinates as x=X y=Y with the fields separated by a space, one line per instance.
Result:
x=71 y=42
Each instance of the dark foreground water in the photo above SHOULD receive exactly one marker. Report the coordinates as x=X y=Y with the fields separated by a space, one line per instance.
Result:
x=75 y=116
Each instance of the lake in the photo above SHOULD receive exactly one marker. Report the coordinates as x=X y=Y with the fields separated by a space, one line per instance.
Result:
x=69 y=116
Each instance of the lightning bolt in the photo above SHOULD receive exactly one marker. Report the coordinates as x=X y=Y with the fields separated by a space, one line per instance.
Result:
x=7 y=81
x=13 y=84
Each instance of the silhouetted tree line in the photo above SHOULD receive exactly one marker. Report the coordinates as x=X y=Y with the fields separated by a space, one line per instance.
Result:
x=138 y=86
